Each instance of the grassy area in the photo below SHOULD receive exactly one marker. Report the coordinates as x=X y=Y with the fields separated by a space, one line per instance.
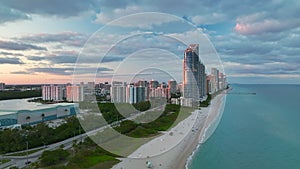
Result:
x=160 y=121
x=87 y=155
x=25 y=153
x=116 y=139
x=92 y=160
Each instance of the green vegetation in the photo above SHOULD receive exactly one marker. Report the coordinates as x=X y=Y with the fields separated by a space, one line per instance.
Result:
x=206 y=103
x=142 y=106
x=6 y=95
x=164 y=122
x=3 y=161
x=110 y=111
x=176 y=95
x=15 y=140
x=87 y=155
x=54 y=157
x=40 y=100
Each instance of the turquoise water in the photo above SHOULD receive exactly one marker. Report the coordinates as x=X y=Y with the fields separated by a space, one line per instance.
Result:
x=259 y=131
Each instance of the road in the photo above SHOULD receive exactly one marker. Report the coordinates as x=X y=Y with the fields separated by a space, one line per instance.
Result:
x=20 y=161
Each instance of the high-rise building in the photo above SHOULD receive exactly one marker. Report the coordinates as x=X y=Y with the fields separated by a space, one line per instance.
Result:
x=194 y=78
x=215 y=80
x=202 y=80
x=118 y=93
x=153 y=84
x=139 y=93
x=52 y=92
x=2 y=86
x=74 y=93
x=172 y=85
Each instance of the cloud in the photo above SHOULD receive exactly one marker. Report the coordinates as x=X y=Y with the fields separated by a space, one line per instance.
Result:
x=138 y=19
x=54 y=59
x=208 y=18
x=67 y=71
x=10 y=61
x=263 y=22
x=59 y=8
x=273 y=68
x=11 y=54
x=265 y=26
x=20 y=72
x=55 y=71
x=10 y=45
x=9 y=15
x=65 y=38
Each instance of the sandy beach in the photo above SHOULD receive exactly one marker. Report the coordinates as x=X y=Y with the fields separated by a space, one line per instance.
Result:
x=172 y=149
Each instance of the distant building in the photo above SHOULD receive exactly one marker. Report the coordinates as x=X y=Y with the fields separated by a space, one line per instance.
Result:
x=118 y=93
x=153 y=84
x=139 y=94
x=215 y=79
x=74 y=93
x=208 y=84
x=52 y=92
x=158 y=92
x=2 y=86
x=172 y=85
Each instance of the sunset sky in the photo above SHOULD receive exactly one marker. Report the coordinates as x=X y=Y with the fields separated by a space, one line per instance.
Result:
x=40 y=41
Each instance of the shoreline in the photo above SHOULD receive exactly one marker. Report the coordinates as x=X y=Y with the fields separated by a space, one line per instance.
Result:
x=211 y=125
x=177 y=154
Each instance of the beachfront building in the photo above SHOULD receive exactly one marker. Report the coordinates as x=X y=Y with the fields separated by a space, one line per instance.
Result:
x=214 y=80
x=52 y=92
x=140 y=91
x=194 y=77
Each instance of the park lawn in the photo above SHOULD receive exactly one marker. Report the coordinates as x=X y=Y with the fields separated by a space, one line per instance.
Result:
x=91 y=161
x=105 y=165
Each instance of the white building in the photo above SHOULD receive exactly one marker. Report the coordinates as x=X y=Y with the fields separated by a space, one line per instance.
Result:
x=75 y=93
x=52 y=92
x=118 y=93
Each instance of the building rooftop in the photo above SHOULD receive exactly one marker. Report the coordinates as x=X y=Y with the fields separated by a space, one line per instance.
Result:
x=15 y=105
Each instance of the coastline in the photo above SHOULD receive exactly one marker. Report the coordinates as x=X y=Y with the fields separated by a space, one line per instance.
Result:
x=177 y=154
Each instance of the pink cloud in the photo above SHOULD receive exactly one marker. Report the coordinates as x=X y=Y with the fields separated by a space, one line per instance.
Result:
x=258 y=24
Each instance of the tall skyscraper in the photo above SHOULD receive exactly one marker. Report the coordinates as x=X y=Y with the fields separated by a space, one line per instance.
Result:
x=193 y=74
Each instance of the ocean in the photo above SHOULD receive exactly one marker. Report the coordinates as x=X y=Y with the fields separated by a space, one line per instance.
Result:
x=259 y=131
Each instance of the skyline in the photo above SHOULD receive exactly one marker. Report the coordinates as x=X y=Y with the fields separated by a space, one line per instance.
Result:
x=40 y=42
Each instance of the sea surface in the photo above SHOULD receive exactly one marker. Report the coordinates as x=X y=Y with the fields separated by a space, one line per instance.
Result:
x=259 y=131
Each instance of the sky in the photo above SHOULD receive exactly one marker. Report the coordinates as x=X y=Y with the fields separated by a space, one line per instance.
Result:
x=54 y=41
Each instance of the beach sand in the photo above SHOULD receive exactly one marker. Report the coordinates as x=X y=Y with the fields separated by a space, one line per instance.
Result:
x=171 y=151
